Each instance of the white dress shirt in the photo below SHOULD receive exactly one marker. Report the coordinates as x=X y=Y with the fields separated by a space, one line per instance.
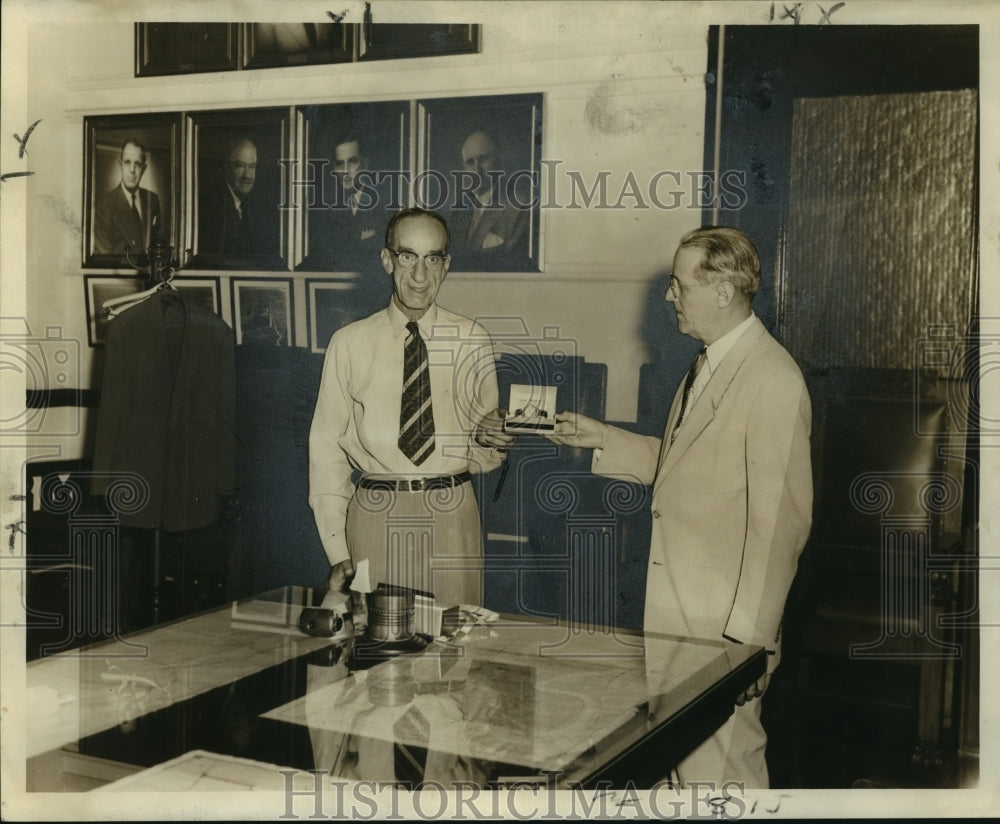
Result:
x=714 y=354
x=129 y=198
x=356 y=422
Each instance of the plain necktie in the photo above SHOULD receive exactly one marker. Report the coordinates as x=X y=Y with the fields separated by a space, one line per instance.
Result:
x=686 y=400
x=137 y=217
x=416 y=414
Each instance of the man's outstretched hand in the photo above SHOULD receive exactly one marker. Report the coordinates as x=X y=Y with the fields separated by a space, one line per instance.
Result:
x=573 y=429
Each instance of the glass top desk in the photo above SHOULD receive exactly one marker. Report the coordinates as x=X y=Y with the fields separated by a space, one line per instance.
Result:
x=505 y=702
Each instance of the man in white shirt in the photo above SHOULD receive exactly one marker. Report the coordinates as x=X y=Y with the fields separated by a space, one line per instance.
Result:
x=413 y=514
x=731 y=479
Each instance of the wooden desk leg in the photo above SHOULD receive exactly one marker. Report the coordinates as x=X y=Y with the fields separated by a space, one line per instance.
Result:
x=933 y=673
x=156 y=577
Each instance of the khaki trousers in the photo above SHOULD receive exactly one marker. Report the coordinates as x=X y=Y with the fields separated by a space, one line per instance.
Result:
x=430 y=541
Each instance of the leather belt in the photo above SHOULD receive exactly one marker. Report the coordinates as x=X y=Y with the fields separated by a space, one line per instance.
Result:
x=415 y=484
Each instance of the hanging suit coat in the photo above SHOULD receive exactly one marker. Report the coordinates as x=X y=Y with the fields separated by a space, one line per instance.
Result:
x=167 y=410
x=115 y=226
x=732 y=497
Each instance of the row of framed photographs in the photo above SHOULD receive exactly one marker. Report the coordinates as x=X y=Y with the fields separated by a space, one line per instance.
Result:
x=260 y=310
x=186 y=48
x=311 y=188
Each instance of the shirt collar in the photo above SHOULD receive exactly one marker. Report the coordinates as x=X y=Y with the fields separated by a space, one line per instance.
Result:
x=718 y=350
x=398 y=321
x=483 y=199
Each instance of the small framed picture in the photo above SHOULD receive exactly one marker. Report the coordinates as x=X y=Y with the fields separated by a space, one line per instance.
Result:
x=101 y=288
x=131 y=187
x=386 y=41
x=185 y=48
x=262 y=311
x=296 y=44
x=332 y=304
x=198 y=291
x=480 y=164
x=239 y=219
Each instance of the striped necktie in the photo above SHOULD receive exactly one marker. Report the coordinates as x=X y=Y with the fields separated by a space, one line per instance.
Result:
x=686 y=400
x=416 y=415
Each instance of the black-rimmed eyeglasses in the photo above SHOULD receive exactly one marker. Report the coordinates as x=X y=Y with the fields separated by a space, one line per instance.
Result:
x=408 y=260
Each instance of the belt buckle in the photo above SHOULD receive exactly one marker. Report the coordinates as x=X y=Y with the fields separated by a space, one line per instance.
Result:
x=416 y=485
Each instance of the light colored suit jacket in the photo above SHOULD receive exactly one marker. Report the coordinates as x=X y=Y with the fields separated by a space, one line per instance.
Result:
x=732 y=497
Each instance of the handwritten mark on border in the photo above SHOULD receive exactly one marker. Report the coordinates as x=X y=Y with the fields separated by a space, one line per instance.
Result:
x=22 y=148
x=7 y=175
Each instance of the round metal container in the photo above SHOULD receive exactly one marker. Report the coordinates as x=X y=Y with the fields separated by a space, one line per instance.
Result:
x=390 y=615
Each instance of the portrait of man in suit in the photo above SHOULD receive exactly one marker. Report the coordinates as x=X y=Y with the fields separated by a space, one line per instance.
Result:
x=491 y=226
x=128 y=218
x=237 y=210
x=226 y=224
x=349 y=231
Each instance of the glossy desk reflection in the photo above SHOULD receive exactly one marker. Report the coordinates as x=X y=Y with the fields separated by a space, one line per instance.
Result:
x=506 y=701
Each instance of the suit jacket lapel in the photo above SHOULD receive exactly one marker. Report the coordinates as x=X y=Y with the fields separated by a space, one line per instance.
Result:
x=125 y=219
x=703 y=411
x=146 y=218
x=675 y=410
x=487 y=220
x=181 y=389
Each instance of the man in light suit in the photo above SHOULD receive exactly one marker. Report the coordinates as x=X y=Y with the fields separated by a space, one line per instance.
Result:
x=491 y=232
x=732 y=483
x=128 y=216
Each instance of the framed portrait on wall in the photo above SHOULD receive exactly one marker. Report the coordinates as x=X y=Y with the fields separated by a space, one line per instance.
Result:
x=479 y=162
x=239 y=219
x=185 y=48
x=131 y=187
x=332 y=304
x=101 y=288
x=262 y=311
x=199 y=291
x=357 y=157
x=296 y=44
x=385 y=41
